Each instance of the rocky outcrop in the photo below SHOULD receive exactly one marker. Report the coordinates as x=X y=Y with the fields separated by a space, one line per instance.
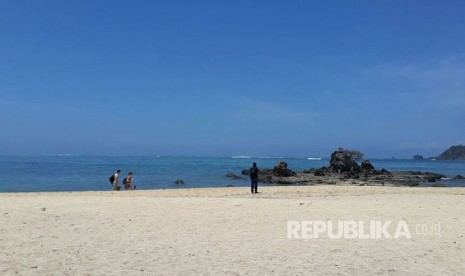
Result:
x=281 y=170
x=453 y=153
x=341 y=161
x=458 y=177
x=432 y=177
x=179 y=182
x=321 y=172
x=343 y=170
x=369 y=177
x=367 y=166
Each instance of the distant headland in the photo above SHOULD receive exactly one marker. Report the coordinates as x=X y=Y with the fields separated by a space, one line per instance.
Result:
x=453 y=153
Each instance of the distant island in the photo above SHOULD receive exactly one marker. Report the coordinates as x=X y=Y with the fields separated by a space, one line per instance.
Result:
x=418 y=157
x=453 y=153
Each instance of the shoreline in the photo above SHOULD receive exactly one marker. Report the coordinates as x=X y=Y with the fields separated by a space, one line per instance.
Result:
x=261 y=185
x=267 y=190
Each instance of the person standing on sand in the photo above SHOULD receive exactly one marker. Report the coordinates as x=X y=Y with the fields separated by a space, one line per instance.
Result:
x=114 y=180
x=128 y=182
x=254 y=178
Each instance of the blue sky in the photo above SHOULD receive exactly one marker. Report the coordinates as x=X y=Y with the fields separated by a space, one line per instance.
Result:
x=282 y=78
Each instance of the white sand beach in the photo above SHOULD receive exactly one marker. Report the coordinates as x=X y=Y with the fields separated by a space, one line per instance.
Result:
x=227 y=231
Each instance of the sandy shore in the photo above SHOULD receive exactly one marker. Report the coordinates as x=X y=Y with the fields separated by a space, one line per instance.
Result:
x=227 y=231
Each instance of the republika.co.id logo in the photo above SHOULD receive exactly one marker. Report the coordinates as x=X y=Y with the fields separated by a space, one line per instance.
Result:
x=351 y=229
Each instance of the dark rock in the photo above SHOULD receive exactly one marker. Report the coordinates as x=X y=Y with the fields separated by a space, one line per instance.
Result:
x=179 y=182
x=435 y=176
x=385 y=172
x=309 y=171
x=432 y=177
x=367 y=166
x=323 y=171
x=281 y=170
x=341 y=161
x=415 y=172
x=229 y=186
x=320 y=172
x=245 y=172
x=417 y=157
x=281 y=165
x=266 y=178
x=453 y=153
x=232 y=176
x=458 y=177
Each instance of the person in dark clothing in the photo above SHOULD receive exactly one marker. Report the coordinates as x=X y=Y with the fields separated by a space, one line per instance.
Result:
x=128 y=182
x=254 y=178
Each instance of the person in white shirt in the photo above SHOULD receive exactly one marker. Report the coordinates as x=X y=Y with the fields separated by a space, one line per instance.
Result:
x=115 y=178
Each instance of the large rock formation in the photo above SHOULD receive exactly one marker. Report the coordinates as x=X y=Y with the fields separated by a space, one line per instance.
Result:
x=453 y=153
x=418 y=157
x=344 y=170
x=341 y=161
x=281 y=169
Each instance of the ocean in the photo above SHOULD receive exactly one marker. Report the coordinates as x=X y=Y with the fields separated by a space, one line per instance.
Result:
x=28 y=173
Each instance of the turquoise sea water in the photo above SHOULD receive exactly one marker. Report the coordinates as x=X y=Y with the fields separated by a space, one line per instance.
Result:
x=24 y=173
